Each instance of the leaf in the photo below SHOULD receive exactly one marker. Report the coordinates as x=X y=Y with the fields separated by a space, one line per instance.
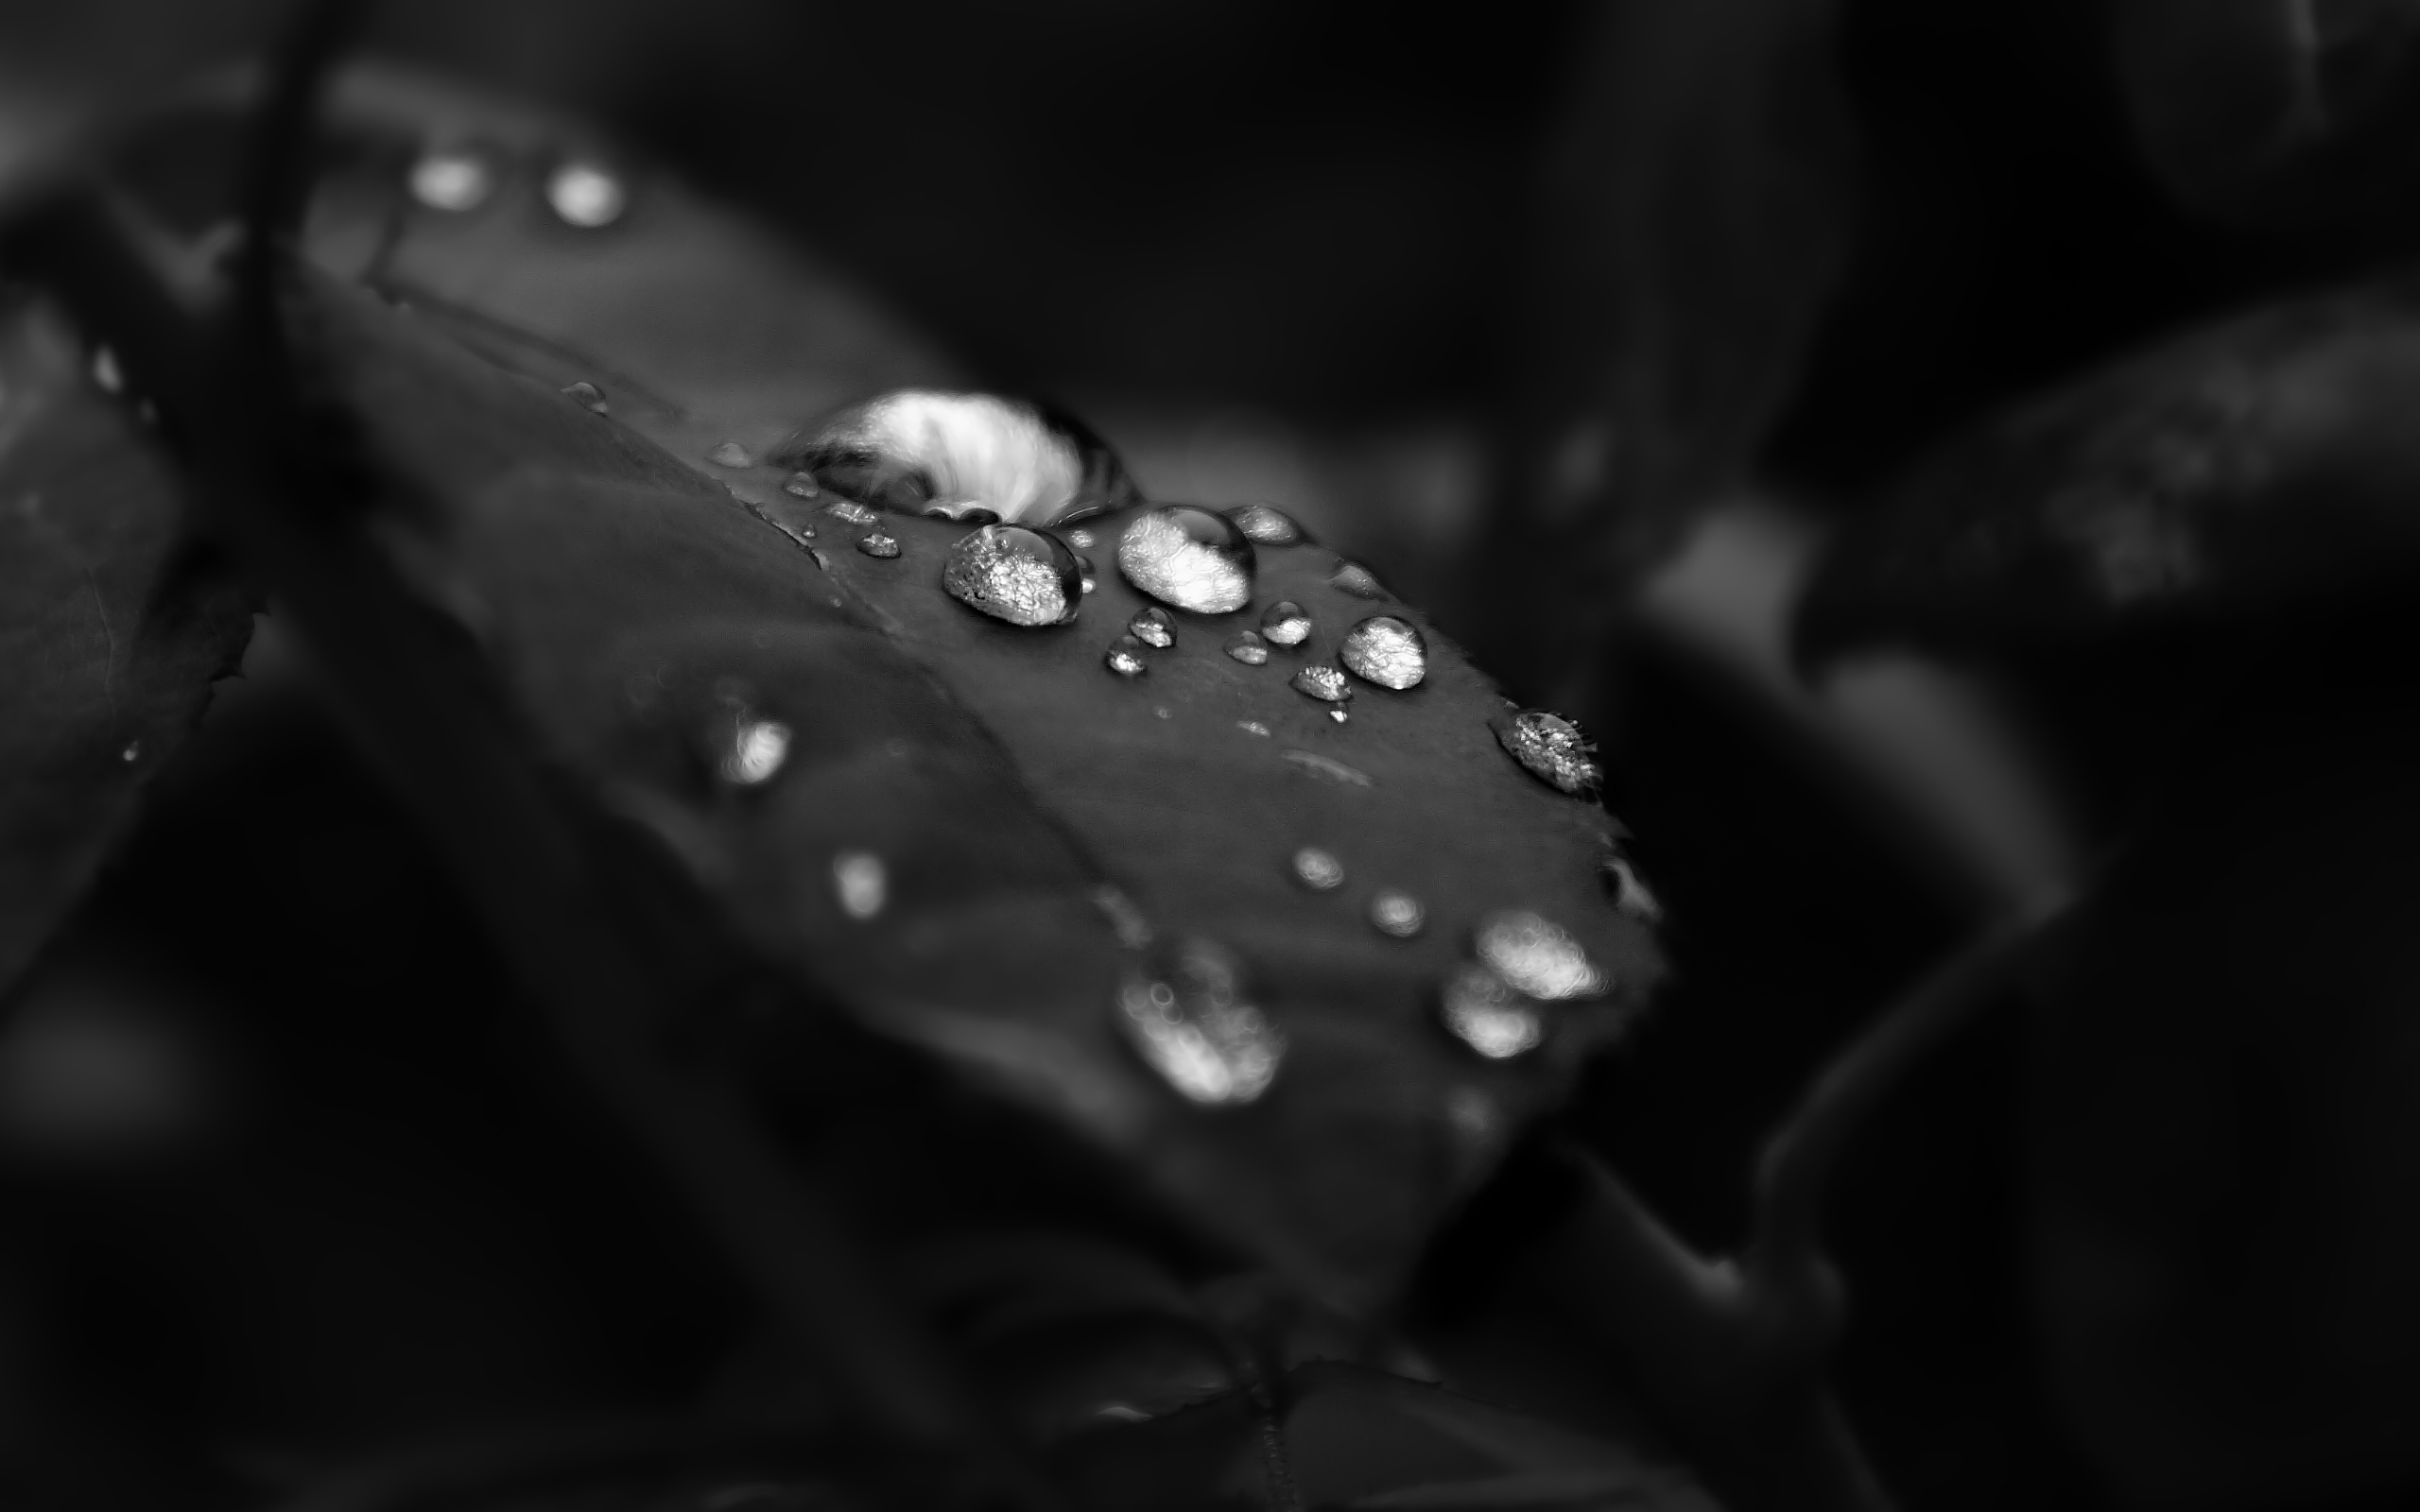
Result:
x=112 y=629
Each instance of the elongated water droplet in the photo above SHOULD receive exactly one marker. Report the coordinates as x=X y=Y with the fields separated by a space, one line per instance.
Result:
x=1286 y=624
x=453 y=180
x=1253 y=726
x=798 y=486
x=1323 y=682
x=1154 y=627
x=585 y=196
x=1398 y=914
x=861 y=882
x=1192 y=1022
x=1536 y=956
x=730 y=454
x=848 y=513
x=1318 y=870
x=757 y=749
x=1551 y=749
x=1328 y=769
x=1126 y=656
x=1353 y=578
x=1265 y=526
x=1631 y=895
x=1483 y=1011
x=588 y=395
x=1338 y=716
x=875 y=543
x=107 y=375
x=1249 y=648
x=1188 y=558
x=1024 y=577
x=1386 y=651
x=1081 y=539
x=962 y=511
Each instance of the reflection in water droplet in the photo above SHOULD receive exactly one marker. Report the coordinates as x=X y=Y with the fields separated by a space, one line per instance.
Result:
x=862 y=882
x=1632 y=896
x=1398 y=914
x=1483 y=1012
x=1553 y=749
x=1132 y=930
x=1081 y=539
x=1318 y=870
x=1265 y=527
x=585 y=196
x=106 y=373
x=1125 y=657
x=1253 y=726
x=589 y=396
x=1338 y=715
x=1327 y=768
x=1286 y=624
x=1353 y=578
x=455 y=180
x=875 y=543
x=1249 y=649
x=963 y=511
x=1323 y=682
x=757 y=749
x=1189 y=557
x=1536 y=956
x=1084 y=570
x=730 y=454
x=1154 y=627
x=1386 y=651
x=798 y=485
x=133 y=751
x=1010 y=572
x=848 y=513
x=1193 y=1023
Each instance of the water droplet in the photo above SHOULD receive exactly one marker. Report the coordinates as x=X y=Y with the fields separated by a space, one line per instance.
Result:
x=875 y=543
x=1286 y=624
x=1398 y=914
x=1482 y=1011
x=1339 y=715
x=585 y=196
x=730 y=454
x=1081 y=539
x=106 y=373
x=798 y=486
x=962 y=511
x=455 y=180
x=850 y=514
x=1160 y=714
x=1193 y=1023
x=1318 y=870
x=1265 y=527
x=1632 y=896
x=1189 y=558
x=1386 y=651
x=1253 y=726
x=1132 y=930
x=1126 y=657
x=1154 y=627
x=757 y=749
x=1536 y=956
x=1328 y=768
x=1552 y=748
x=1121 y=1412
x=1010 y=572
x=589 y=396
x=1353 y=578
x=862 y=882
x=1323 y=682
x=133 y=751
x=1084 y=571
x=1249 y=649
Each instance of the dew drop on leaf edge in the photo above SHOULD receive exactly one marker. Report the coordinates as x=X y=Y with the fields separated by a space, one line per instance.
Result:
x=1353 y=578
x=1550 y=749
x=587 y=395
x=1266 y=525
x=1188 y=559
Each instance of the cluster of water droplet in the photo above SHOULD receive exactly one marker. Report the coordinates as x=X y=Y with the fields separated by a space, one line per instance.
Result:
x=1191 y=1021
x=1498 y=1002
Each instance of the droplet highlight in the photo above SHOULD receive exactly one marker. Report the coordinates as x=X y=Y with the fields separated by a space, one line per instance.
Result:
x=1353 y=578
x=798 y=485
x=587 y=395
x=107 y=375
x=730 y=454
x=1190 y=559
x=1482 y=1010
x=757 y=749
x=132 y=753
x=1324 y=683
x=585 y=196
x=1193 y=1023
x=875 y=543
x=1397 y=913
x=1264 y=525
x=1318 y=870
x=1010 y=572
x=1154 y=627
x=1553 y=749
x=1386 y=651
x=1286 y=624
x=1632 y=896
x=848 y=513
x=453 y=180
x=1249 y=648
x=1536 y=956
x=861 y=883
x=1126 y=656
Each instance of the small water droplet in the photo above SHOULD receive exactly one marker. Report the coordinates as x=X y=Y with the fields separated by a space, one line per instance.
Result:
x=962 y=511
x=1386 y=651
x=1482 y=1011
x=1010 y=572
x=1265 y=526
x=1632 y=896
x=730 y=454
x=1081 y=539
x=1551 y=749
x=1536 y=956
x=589 y=396
x=107 y=375
x=1160 y=714
x=453 y=180
x=1084 y=571
x=133 y=751
x=1154 y=627
x=1249 y=649
x=1323 y=682
x=1193 y=1023
x=1398 y=914
x=1189 y=558
x=1126 y=657
x=1327 y=768
x=757 y=749
x=1286 y=624
x=1132 y=930
x=1253 y=726
x=1339 y=715
x=1353 y=578
x=798 y=485
x=848 y=513
x=862 y=882
x=875 y=543
x=1318 y=870
x=585 y=196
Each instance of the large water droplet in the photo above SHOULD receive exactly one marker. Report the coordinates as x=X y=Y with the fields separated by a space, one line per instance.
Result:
x=730 y=454
x=1353 y=578
x=1265 y=526
x=1386 y=651
x=1397 y=913
x=1154 y=627
x=1192 y=1023
x=587 y=395
x=800 y=486
x=1189 y=558
x=1249 y=649
x=756 y=751
x=875 y=543
x=1126 y=657
x=1286 y=624
x=1632 y=896
x=1536 y=956
x=1553 y=749
x=1483 y=1011
x=861 y=882
x=453 y=180
x=850 y=513
x=1318 y=870
x=585 y=196
x=1323 y=682
x=1010 y=572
